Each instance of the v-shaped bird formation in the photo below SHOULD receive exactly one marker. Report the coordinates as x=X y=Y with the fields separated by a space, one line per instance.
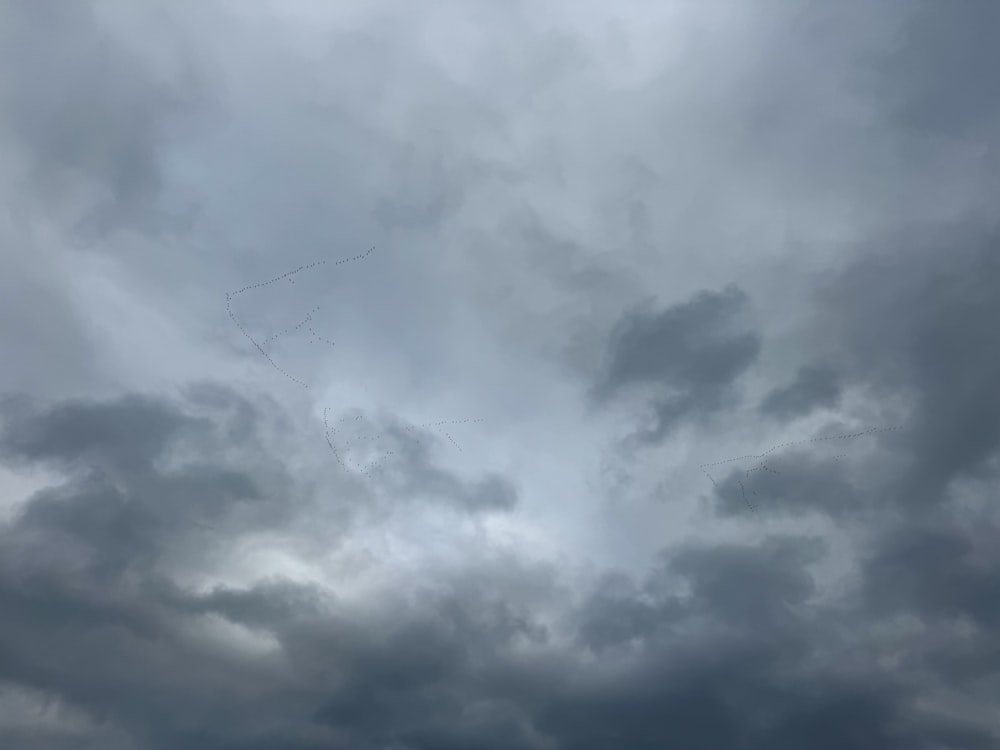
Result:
x=355 y=444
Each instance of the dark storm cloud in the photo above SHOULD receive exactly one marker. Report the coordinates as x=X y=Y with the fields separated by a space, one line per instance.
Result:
x=797 y=483
x=140 y=470
x=910 y=322
x=616 y=613
x=813 y=387
x=112 y=642
x=88 y=112
x=715 y=639
x=755 y=585
x=941 y=70
x=938 y=571
x=719 y=636
x=87 y=563
x=126 y=434
x=688 y=355
x=721 y=644
x=749 y=586
x=682 y=346
x=122 y=505
x=916 y=319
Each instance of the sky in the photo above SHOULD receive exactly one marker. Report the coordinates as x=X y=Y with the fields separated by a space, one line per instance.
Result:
x=504 y=376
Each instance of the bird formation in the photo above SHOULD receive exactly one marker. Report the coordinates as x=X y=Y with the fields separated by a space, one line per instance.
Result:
x=870 y=431
x=292 y=329
x=326 y=425
x=744 y=491
x=448 y=423
x=339 y=438
x=761 y=467
x=289 y=274
x=305 y=322
x=772 y=449
x=760 y=457
x=350 y=443
x=432 y=426
x=451 y=422
x=258 y=347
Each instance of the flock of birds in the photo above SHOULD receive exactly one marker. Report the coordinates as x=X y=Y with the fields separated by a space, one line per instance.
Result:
x=344 y=444
x=340 y=439
x=307 y=321
x=762 y=457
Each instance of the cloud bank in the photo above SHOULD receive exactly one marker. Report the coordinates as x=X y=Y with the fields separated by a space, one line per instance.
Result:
x=664 y=412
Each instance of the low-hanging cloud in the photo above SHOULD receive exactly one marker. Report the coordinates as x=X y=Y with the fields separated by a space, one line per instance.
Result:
x=688 y=355
x=813 y=387
x=806 y=192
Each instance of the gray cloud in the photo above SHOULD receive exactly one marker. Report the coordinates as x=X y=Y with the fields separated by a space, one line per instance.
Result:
x=940 y=68
x=689 y=355
x=711 y=675
x=914 y=319
x=941 y=572
x=185 y=563
x=123 y=435
x=409 y=470
x=722 y=662
x=122 y=505
x=49 y=348
x=798 y=482
x=92 y=557
x=907 y=324
x=813 y=387
x=89 y=113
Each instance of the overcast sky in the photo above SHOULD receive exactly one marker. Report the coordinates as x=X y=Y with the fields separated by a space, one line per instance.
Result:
x=517 y=375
